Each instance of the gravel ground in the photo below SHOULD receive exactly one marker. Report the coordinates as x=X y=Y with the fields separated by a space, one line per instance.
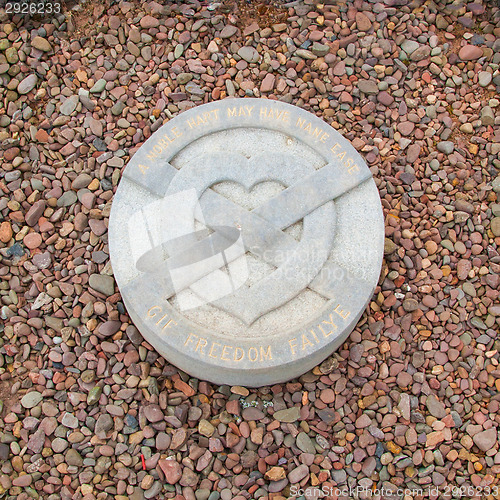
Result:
x=90 y=411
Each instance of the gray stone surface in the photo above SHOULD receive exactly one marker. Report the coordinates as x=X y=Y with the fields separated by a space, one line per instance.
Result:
x=246 y=238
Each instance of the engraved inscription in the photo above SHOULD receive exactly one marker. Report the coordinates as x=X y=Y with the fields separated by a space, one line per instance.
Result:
x=346 y=161
x=274 y=114
x=143 y=168
x=315 y=335
x=206 y=118
x=162 y=320
x=163 y=142
x=224 y=352
x=316 y=132
x=341 y=312
x=240 y=111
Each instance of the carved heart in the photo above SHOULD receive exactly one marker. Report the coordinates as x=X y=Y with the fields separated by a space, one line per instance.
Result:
x=297 y=263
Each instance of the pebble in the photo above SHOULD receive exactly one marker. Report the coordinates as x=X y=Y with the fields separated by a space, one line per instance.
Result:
x=484 y=78
x=228 y=31
x=410 y=46
x=179 y=437
x=305 y=443
x=94 y=395
x=435 y=407
x=299 y=473
x=35 y=212
x=267 y=84
x=305 y=54
x=36 y=441
x=41 y=44
x=486 y=440
x=98 y=86
x=363 y=22
x=318 y=49
x=252 y=414
x=11 y=55
x=287 y=415
x=67 y=199
x=5 y=232
x=446 y=147
x=149 y=22
x=31 y=399
x=69 y=105
x=413 y=153
x=27 y=84
x=368 y=87
x=487 y=116
x=153 y=413
x=470 y=52
x=275 y=474
x=102 y=283
x=205 y=428
x=495 y=226
x=249 y=54
x=172 y=470
x=73 y=458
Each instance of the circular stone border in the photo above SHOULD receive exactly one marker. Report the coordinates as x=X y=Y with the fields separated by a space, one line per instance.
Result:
x=207 y=354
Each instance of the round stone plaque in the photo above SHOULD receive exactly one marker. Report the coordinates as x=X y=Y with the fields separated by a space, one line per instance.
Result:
x=246 y=237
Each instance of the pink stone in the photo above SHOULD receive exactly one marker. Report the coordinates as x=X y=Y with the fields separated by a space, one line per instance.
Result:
x=406 y=128
x=413 y=153
x=463 y=268
x=131 y=357
x=184 y=37
x=339 y=69
x=32 y=240
x=434 y=438
x=327 y=396
x=362 y=21
x=55 y=356
x=22 y=481
x=171 y=469
x=385 y=98
x=346 y=97
x=363 y=421
x=88 y=200
x=35 y=212
x=267 y=84
x=149 y=22
x=114 y=22
x=470 y=53
x=98 y=227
